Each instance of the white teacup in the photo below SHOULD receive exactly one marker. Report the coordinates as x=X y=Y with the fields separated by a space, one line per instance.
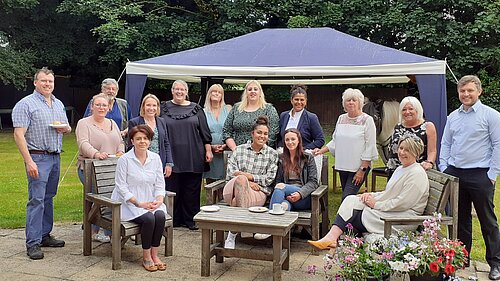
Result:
x=277 y=208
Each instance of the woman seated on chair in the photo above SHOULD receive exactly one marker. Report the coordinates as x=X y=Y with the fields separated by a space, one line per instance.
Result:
x=406 y=194
x=140 y=188
x=251 y=169
x=296 y=177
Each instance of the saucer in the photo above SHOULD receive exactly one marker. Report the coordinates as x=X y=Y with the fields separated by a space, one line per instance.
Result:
x=258 y=209
x=277 y=213
x=210 y=208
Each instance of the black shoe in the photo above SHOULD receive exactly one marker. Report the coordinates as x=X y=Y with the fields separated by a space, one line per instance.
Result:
x=192 y=227
x=494 y=273
x=50 y=241
x=35 y=253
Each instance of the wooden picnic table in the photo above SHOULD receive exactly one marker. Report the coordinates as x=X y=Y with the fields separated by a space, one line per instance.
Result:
x=236 y=219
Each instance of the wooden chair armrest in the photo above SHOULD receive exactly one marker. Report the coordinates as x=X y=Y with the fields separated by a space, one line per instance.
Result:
x=213 y=190
x=168 y=200
x=320 y=191
x=412 y=220
x=101 y=200
x=216 y=185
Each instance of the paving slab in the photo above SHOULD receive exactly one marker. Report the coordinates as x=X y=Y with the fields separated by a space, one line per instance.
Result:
x=68 y=263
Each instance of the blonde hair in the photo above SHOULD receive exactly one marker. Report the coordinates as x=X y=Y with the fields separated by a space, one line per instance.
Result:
x=149 y=96
x=244 y=101
x=413 y=101
x=353 y=93
x=414 y=143
x=100 y=96
x=184 y=84
x=470 y=79
x=214 y=87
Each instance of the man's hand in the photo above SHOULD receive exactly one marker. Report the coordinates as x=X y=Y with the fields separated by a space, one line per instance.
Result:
x=168 y=171
x=32 y=169
x=254 y=186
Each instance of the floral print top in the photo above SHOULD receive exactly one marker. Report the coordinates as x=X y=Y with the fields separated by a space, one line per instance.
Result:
x=420 y=131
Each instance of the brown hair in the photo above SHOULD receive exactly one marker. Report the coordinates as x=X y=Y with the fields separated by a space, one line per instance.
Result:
x=45 y=70
x=145 y=129
x=288 y=165
x=470 y=79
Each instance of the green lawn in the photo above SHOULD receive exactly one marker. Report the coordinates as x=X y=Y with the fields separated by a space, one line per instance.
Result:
x=68 y=202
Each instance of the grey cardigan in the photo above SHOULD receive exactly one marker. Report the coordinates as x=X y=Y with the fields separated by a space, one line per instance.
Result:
x=308 y=175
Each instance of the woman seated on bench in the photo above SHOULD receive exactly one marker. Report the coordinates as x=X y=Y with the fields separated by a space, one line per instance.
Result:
x=406 y=194
x=251 y=169
x=140 y=187
x=297 y=176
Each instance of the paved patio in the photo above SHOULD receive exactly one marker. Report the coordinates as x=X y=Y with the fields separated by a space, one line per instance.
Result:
x=68 y=263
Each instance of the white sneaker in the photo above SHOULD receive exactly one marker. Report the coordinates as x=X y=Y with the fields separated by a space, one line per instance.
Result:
x=230 y=242
x=100 y=237
x=261 y=236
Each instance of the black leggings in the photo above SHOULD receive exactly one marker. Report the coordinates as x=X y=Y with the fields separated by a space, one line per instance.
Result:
x=355 y=221
x=152 y=227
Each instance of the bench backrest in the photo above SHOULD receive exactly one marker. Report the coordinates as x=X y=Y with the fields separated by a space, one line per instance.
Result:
x=441 y=188
x=324 y=167
x=101 y=175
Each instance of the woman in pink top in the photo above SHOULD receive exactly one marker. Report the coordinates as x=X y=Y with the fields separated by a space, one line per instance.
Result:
x=98 y=138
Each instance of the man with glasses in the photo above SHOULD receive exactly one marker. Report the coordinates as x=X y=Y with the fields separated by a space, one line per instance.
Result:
x=39 y=121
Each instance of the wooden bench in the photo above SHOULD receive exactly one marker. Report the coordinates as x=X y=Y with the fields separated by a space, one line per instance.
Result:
x=443 y=192
x=309 y=219
x=100 y=210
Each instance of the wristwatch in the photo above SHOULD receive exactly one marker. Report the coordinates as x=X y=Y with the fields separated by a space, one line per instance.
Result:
x=363 y=169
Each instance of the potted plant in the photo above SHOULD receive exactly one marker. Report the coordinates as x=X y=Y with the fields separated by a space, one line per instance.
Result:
x=415 y=255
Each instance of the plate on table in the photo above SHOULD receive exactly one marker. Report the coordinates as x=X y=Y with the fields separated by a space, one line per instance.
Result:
x=210 y=208
x=272 y=212
x=257 y=209
x=57 y=126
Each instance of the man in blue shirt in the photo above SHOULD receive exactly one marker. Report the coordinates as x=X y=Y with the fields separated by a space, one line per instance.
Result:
x=470 y=150
x=39 y=121
x=119 y=110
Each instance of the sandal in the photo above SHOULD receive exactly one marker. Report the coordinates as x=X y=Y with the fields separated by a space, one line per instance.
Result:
x=161 y=266
x=149 y=266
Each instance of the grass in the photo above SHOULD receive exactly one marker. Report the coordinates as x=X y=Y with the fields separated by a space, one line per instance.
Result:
x=68 y=204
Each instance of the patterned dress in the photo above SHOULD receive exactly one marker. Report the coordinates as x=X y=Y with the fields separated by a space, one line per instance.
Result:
x=399 y=131
x=239 y=124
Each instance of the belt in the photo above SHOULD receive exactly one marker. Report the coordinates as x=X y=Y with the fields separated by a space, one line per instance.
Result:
x=43 y=152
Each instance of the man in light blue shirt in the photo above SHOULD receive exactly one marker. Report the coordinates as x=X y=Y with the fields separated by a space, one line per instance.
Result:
x=39 y=121
x=470 y=150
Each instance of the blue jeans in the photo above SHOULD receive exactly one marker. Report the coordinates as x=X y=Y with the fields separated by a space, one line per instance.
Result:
x=95 y=228
x=279 y=195
x=349 y=188
x=41 y=191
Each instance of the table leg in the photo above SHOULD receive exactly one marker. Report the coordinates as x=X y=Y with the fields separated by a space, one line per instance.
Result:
x=286 y=246
x=277 y=247
x=219 y=239
x=205 y=252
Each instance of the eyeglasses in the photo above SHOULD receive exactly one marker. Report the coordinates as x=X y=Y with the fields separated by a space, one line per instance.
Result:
x=101 y=105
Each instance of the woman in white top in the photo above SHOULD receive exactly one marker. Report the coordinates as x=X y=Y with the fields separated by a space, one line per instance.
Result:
x=405 y=195
x=140 y=188
x=353 y=143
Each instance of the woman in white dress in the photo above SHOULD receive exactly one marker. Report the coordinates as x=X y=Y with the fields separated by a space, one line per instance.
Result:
x=140 y=188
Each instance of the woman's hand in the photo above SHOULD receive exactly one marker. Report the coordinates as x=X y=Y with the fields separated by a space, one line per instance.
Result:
x=358 y=177
x=155 y=205
x=294 y=197
x=247 y=175
x=101 y=155
x=254 y=186
x=209 y=156
x=168 y=171
x=368 y=199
